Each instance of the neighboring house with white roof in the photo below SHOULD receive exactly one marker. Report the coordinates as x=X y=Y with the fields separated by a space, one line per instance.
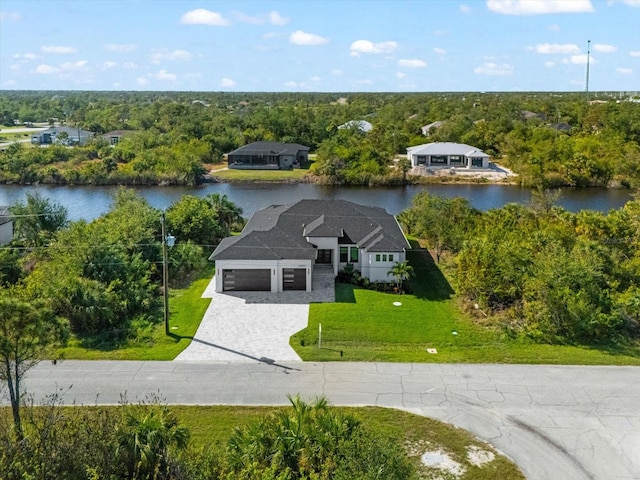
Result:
x=447 y=154
x=361 y=125
x=6 y=226
x=282 y=245
x=427 y=129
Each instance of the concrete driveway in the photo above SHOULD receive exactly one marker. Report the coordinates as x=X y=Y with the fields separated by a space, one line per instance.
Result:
x=253 y=326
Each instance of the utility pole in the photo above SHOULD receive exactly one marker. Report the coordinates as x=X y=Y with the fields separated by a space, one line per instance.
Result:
x=165 y=275
x=588 y=58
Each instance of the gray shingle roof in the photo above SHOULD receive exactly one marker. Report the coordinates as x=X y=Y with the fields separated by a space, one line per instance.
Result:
x=269 y=148
x=278 y=232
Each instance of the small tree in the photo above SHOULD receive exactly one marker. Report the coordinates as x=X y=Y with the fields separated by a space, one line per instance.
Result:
x=37 y=219
x=401 y=271
x=28 y=331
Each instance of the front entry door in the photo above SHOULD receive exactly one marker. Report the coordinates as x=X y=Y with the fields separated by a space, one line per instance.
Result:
x=325 y=256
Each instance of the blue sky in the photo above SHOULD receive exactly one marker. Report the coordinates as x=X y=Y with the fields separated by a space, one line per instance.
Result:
x=325 y=46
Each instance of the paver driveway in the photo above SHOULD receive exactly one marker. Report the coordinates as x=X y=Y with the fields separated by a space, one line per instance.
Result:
x=253 y=326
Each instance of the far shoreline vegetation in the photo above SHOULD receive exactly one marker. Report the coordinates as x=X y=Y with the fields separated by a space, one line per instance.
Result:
x=547 y=139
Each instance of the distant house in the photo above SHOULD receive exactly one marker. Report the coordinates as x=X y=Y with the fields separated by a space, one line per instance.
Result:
x=268 y=155
x=528 y=115
x=427 y=129
x=447 y=154
x=6 y=226
x=361 y=125
x=115 y=136
x=283 y=247
x=62 y=135
x=560 y=127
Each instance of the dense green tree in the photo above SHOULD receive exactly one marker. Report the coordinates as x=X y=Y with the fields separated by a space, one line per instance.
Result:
x=37 y=219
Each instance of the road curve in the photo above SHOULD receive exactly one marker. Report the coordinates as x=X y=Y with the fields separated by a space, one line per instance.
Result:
x=555 y=422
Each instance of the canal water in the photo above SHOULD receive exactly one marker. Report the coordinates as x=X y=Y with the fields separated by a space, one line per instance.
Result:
x=87 y=202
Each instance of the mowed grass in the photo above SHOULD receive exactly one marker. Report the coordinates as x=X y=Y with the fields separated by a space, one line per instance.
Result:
x=186 y=307
x=365 y=325
x=211 y=426
x=232 y=175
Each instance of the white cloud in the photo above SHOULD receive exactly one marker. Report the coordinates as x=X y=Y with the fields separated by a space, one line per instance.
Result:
x=114 y=47
x=411 y=63
x=202 y=16
x=129 y=65
x=166 y=76
x=45 y=69
x=227 y=83
x=276 y=19
x=336 y=71
x=578 y=60
x=604 y=48
x=273 y=18
x=315 y=78
x=364 y=81
x=494 y=69
x=366 y=46
x=26 y=56
x=632 y=3
x=401 y=74
x=160 y=54
x=142 y=81
x=554 y=28
x=551 y=48
x=624 y=71
x=635 y=53
x=439 y=51
x=539 y=7
x=549 y=64
x=464 y=8
x=302 y=38
x=109 y=64
x=10 y=17
x=57 y=50
x=74 y=65
x=9 y=83
x=292 y=84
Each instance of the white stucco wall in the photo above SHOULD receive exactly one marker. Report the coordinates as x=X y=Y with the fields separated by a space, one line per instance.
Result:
x=377 y=270
x=327 y=243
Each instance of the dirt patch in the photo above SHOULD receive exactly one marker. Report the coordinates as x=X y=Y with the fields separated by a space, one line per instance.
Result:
x=478 y=456
x=438 y=459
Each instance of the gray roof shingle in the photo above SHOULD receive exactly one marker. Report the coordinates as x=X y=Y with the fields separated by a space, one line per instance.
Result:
x=269 y=148
x=278 y=232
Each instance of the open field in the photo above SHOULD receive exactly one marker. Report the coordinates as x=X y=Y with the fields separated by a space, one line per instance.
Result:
x=364 y=325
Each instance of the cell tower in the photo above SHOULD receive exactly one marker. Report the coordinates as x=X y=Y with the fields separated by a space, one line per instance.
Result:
x=588 y=57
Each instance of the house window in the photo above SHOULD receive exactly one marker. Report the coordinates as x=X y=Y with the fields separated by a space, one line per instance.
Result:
x=476 y=162
x=114 y=140
x=384 y=257
x=391 y=258
x=438 y=159
x=377 y=257
x=354 y=255
x=344 y=254
x=421 y=159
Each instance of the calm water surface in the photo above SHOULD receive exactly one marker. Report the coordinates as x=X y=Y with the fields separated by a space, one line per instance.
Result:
x=85 y=202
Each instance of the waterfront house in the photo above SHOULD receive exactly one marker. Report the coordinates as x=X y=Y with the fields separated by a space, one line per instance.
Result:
x=268 y=155
x=62 y=135
x=447 y=155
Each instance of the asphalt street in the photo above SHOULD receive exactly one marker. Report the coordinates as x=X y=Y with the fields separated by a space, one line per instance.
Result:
x=555 y=422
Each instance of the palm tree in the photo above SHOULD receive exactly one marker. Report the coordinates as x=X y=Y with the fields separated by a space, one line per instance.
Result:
x=228 y=212
x=401 y=271
x=144 y=440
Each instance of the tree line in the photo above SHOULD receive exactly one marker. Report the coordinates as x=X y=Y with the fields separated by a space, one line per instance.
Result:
x=174 y=138
x=539 y=271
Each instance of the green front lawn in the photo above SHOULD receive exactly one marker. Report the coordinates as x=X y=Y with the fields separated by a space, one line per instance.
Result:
x=364 y=325
x=186 y=307
x=232 y=175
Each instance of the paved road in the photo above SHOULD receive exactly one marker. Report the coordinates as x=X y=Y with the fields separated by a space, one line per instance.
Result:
x=556 y=422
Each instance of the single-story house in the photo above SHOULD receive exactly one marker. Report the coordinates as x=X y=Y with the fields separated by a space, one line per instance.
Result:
x=73 y=136
x=115 y=136
x=6 y=226
x=361 y=125
x=282 y=245
x=447 y=154
x=426 y=130
x=268 y=155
